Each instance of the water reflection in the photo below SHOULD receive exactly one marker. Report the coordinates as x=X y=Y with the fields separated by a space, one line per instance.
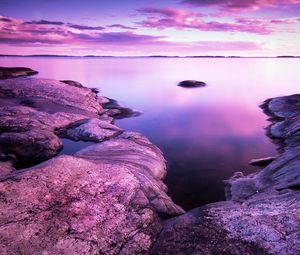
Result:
x=206 y=134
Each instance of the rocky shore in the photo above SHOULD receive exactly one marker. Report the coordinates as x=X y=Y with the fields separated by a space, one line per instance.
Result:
x=109 y=198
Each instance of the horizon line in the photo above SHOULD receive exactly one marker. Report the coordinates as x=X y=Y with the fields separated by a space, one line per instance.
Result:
x=147 y=56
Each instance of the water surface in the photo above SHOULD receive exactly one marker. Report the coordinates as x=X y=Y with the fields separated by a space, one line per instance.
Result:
x=206 y=134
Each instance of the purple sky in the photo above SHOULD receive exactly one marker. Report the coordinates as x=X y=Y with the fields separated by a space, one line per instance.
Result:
x=150 y=27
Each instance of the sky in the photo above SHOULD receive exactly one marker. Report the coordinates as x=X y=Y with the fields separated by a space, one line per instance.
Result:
x=150 y=27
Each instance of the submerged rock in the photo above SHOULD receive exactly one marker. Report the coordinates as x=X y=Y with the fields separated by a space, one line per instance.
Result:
x=13 y=72
x=113 y=109
x=95 y=130
x=191 y=84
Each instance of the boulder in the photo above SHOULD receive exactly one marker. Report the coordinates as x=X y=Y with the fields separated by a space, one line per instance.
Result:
x=108 y=199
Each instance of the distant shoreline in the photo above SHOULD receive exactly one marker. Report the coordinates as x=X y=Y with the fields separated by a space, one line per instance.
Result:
x=151 y=56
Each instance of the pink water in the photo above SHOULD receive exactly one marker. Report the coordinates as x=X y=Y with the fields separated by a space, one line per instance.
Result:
x=207 y=133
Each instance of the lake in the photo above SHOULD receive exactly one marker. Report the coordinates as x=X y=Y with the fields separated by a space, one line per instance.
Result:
x=206 y=134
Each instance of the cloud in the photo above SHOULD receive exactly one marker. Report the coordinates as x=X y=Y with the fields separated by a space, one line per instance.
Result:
x=182 y=19
x=3 y=19
x=19 y=32
x=44 y=22
x=117 y=38
x=121 y=26
x=168 y=12
x=242 y=4
x=83 y=27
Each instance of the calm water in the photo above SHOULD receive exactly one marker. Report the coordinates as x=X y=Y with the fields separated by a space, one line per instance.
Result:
x=206 y=134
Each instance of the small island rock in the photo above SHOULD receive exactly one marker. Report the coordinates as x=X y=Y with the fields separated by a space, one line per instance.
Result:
x=191 y=84
x=13 y=72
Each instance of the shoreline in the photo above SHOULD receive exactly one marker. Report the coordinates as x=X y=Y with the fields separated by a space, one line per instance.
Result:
x=110 y=197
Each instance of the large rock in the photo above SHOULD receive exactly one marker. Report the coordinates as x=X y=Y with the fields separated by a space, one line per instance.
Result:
x=32 y=112
x=103 y=201
x=58 y=95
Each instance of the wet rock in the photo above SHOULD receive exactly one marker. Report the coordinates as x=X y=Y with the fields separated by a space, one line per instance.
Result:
x=95 y=90
x=95 y=130
x=73 y=83
x=122 y=113
x=33 y=110
x=13 y=72
x=31 y=146
x=262 y=162
x=197 y=232
x=113 y=109
x=191 y=84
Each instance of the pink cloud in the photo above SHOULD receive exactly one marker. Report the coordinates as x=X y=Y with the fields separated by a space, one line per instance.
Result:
x=169 y=12
x=232 y=5
x=121 y=27
x=51 y=34
x=16 y=31
x=181 y=19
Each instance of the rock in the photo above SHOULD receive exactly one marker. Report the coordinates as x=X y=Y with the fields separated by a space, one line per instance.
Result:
x=197 y=232
x=103 y=100
x=73 y=83
x=33 y=110
x=13 y=72
x=6 y=168
x=262 y=162
x=30 y=147
x=58 y=95
x=95 y=90
x=191 y=84
x=113 y=109
x=95 y=130
x=122 y=113
x=136 y=150
x=106 y=200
